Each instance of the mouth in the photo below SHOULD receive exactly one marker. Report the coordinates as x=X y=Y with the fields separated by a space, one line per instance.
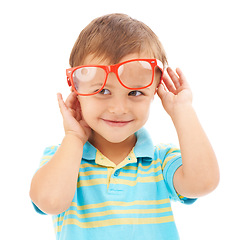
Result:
x=116 y=123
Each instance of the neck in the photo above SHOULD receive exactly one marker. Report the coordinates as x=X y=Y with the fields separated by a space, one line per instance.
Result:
x=116 y=152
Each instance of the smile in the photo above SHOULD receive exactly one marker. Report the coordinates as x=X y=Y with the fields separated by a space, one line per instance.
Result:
x=114 y=123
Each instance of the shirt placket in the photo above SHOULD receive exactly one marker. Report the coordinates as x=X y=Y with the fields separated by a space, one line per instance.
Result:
x=115 y=183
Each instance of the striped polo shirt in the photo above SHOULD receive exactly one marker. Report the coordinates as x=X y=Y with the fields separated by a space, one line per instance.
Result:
x=130 y=200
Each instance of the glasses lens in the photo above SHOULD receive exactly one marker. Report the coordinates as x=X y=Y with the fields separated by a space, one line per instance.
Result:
x=88 y=80
x=136 y=74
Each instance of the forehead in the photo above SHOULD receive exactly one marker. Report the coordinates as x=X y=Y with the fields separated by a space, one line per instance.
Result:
x=94 y=60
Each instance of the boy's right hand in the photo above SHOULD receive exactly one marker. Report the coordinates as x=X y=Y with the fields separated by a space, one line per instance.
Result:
x=72 y=118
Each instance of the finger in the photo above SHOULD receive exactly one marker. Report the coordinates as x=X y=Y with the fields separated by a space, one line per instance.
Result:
x=168 y=83
x=78 y=110
x=71 y=99
x=62 y=106
x=175 y=79
x=161 y=90
x=182 y=78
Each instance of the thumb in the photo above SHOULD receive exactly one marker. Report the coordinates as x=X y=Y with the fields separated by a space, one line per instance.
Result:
x=161 y=91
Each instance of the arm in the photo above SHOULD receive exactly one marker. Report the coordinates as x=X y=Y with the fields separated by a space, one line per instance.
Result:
x=199 y=173
x=54 y=185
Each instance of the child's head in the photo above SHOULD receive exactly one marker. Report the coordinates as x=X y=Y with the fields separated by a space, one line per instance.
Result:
x=115 y=113
x=112 y=37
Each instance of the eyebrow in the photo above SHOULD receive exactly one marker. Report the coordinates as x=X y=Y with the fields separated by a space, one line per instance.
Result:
x=96 y=85
x=138 y=88
x=144 y=89
x=107 y=85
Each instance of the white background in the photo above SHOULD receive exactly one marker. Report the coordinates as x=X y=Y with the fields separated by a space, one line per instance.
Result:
x=201 y=37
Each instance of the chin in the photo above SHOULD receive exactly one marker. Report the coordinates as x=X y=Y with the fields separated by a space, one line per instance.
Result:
x=115 y=136
x=116 y=139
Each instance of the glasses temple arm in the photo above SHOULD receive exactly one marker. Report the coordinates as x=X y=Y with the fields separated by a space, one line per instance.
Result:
x=68 y=73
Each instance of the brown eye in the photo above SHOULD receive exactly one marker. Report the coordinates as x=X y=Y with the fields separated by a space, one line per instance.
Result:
x=105 y=92
x=135 y=93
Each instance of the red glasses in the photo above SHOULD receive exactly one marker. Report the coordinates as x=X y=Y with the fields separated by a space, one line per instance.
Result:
x=134 y=74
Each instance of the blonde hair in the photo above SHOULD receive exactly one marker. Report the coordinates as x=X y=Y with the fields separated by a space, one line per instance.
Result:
x=114 y=36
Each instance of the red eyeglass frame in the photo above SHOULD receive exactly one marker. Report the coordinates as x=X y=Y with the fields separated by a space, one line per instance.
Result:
x=114 y=68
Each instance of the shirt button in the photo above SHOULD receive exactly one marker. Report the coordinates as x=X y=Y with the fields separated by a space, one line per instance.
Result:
x=129 y=158
x=117 y=172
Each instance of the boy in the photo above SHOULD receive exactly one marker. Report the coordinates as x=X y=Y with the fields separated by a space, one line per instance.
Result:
x=106 y=180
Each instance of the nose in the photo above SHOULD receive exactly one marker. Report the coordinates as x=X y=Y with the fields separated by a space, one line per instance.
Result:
x=118 y=105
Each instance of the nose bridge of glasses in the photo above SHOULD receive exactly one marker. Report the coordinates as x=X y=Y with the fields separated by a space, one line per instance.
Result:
x=112 y=69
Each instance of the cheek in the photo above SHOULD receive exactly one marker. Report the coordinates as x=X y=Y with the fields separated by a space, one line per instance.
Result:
x=85 y=107
x=90 y=109
x=143 y=110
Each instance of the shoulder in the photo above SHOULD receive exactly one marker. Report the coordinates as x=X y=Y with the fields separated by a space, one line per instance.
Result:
x=169 y=155
x=48 y=153
x=165 y=150
x=50 y=150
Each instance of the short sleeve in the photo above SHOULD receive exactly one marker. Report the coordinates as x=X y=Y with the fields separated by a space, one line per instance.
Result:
x=171 y=161
x=47 y=155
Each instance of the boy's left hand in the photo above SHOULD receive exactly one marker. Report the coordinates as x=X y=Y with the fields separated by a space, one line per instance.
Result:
x=174 y=91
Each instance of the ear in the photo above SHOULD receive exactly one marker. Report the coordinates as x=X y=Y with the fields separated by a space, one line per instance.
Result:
x=158 y=85
x=159 y=80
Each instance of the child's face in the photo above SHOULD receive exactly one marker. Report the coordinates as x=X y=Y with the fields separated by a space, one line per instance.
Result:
x=116 y=113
